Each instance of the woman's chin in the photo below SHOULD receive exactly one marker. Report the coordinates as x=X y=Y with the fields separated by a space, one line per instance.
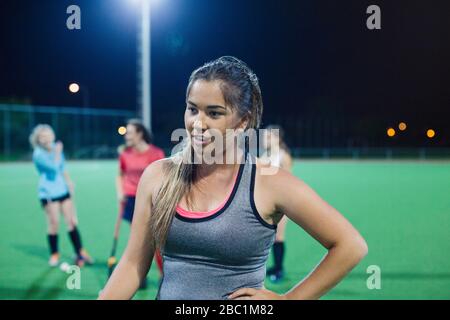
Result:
x=208 y=154
x=202 y=148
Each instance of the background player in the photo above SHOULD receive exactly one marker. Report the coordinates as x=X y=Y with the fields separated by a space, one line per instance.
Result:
x=138 y=153
x=277 y=152
x=55 y=191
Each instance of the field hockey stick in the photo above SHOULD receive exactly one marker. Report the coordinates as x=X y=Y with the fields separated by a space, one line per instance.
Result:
x=112 y=261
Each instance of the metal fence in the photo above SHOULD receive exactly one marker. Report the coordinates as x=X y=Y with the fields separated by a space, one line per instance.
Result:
x=86 y=132
x=372 y=153
x=90 y=133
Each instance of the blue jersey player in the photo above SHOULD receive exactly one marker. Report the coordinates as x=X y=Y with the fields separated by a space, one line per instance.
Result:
x=54 y=191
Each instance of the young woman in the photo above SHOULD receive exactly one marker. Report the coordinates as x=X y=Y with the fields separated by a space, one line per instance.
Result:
x=216 y=223
x=55 y=191
x=137 y=155
x=277 y=152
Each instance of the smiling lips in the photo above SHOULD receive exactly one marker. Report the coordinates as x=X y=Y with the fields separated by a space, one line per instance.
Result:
x=200 y=139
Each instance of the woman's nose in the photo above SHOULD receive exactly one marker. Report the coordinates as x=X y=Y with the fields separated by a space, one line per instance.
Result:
x=199 y=124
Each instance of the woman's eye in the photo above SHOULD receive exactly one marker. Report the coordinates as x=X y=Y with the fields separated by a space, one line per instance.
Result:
x=192 y=109
x=214 y=114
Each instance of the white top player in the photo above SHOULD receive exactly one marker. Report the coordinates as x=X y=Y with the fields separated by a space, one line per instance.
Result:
x=276 y=153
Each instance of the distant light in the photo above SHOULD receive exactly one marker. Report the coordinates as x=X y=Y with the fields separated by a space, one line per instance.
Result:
x=402 y=126
x=74 y=87
x=122 y=130
x=390 y=132
x=431 y=133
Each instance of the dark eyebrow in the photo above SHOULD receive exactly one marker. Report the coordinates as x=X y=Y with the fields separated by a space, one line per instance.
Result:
x=210 y=106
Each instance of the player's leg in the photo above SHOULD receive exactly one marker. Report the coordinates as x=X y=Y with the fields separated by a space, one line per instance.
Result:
x=71 y=219
x=128 y=209
x=52 y=215
x=276 y=273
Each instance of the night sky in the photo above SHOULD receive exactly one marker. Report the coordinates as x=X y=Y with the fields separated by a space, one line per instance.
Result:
x=314 y=58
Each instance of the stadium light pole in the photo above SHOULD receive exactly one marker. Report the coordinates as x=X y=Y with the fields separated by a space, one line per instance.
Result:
x=75 y=88
x=145 y=67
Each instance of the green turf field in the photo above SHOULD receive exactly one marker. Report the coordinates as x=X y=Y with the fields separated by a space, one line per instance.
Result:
x=401 y=208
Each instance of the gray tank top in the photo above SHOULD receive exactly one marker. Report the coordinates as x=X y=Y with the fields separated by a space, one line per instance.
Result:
x=211 y=257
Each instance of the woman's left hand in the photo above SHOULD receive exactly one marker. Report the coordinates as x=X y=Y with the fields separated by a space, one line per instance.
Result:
x=71 y=187
x=255 y=294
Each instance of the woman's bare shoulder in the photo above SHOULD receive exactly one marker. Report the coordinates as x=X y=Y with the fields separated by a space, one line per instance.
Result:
x=267 y=173
x=154 y=174
x=271 y=179
x=269 y=182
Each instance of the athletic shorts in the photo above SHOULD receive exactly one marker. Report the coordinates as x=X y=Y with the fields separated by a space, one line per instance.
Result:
x=44 y=202
x=128 y=208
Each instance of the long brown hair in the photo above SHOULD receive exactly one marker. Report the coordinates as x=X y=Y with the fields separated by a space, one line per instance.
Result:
x=240 y=89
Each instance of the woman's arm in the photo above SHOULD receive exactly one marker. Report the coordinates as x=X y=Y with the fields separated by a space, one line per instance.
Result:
x=69 y=182
x=345 y=245
x=119 y=191
x=49 y=164
x=137 y=258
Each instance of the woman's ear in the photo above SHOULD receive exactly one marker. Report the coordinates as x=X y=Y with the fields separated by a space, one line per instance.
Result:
x=243 y=124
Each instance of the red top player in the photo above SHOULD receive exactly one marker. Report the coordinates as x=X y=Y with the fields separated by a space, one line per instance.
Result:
x=137 y=155
x=133 y=162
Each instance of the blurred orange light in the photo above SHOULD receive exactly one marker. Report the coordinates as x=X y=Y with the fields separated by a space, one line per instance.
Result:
x=390 y=132
x=402 y=126
x=431 y=133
